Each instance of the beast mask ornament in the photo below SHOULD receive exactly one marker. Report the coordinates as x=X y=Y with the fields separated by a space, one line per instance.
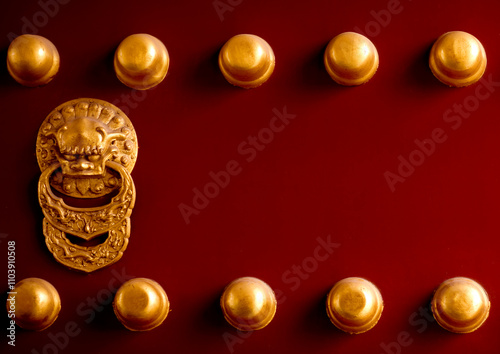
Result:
x=86 y=149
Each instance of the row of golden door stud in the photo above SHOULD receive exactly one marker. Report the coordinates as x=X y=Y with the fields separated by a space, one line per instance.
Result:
x=354 y=305
x=141 y=61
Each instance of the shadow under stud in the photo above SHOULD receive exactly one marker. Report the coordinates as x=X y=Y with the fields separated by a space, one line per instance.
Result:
x=32 y=60
x=460 y=305
x=246 y=61
x=86 y=148
x=351 y=59
x=141 y=304
x=457 y=59
x=36 y=303
x=141 y=61
x=248 y=304
x=354 y=305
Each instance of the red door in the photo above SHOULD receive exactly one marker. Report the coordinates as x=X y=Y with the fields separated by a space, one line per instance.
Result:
x=395 y=181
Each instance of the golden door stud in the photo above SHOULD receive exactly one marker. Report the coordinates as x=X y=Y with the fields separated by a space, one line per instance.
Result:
x=246 y=61
x=457 y=59
x=141 y=61
x=248 y=304
x=354 y=305
x=460 y=305
x=32 y=60
x=37 y=304
x=141 y=304
x=351 y=59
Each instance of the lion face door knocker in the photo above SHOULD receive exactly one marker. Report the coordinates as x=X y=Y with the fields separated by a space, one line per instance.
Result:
x=86 y=149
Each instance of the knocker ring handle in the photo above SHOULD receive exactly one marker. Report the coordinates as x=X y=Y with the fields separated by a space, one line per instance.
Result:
x=86 y=148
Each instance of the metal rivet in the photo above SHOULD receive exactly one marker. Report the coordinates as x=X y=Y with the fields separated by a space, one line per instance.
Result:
x=37 y=304
x=460 y=305
x=351 y=59
x=457 y=59
x=354 y=305
x=248 y=304
x=141 y=304
x=32 y=60
x=246 y=61
x=141 y=61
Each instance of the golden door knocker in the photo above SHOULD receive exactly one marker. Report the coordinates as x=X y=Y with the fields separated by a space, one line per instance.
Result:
x=86 y=148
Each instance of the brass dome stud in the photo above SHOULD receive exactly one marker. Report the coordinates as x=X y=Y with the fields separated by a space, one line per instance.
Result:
x=457 y=59
x=141 y=61
x=37 y=304
x=248 y=304
x=32 y=60
x=141 y=304
x=460 y=305
x=351 y=59
x=246 y=61
x=354 y=305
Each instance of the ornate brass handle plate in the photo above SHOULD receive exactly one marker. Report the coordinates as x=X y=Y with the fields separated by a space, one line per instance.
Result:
x=86 y=149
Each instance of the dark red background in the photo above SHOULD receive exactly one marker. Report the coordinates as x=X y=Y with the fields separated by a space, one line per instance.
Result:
x=322 y=175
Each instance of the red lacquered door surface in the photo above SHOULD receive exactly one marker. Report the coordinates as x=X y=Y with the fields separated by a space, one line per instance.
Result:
x=395 y=181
